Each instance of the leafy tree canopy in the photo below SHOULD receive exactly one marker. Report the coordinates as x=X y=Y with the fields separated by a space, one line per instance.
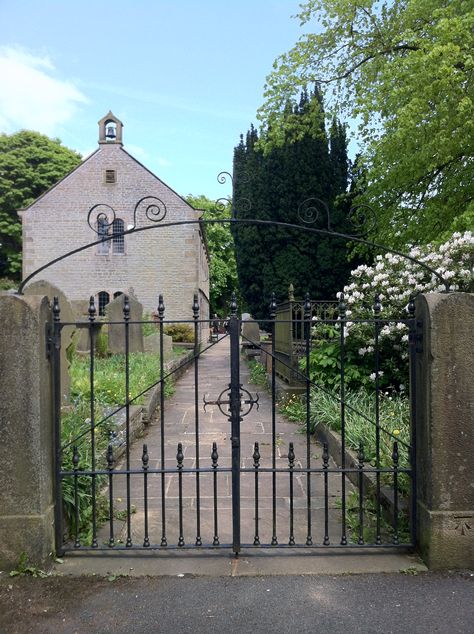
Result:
x=404 y=70
x=30 y=163
x=223 y=270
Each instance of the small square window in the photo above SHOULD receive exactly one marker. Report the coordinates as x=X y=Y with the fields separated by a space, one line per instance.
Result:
x=110 y=176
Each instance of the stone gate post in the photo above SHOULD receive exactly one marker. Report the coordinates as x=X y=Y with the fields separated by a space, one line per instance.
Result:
x=445 y=430
x=26 y=431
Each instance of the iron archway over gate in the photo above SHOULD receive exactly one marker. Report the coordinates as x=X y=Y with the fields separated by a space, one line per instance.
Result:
x=356 y=472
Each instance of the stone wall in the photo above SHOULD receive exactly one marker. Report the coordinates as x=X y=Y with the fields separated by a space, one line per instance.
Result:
x=167 y=260
x=445 y=431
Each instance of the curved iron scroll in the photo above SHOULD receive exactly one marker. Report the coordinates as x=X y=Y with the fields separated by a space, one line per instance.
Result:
x=310 y=212
x=101 y=217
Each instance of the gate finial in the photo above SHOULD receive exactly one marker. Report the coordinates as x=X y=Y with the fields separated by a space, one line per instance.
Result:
x=233 y=305
x=161 y=307
x=273 y=306
x=92 y=310
x=307 y=307
x=195 y=307
x=56 y=309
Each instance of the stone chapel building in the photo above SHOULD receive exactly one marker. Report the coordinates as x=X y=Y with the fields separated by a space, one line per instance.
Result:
x=173 y=260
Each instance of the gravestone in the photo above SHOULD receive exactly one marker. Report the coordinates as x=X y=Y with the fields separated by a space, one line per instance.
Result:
x=80 y=308
x=250 y=338
x=152 y=344
x=69 y=334
x=251 y=332
x=114 y=312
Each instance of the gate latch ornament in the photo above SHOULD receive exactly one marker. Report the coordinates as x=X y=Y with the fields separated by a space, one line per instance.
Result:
x=250 y=401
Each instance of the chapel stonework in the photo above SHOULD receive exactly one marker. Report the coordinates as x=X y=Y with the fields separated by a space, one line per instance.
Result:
x=173 y=261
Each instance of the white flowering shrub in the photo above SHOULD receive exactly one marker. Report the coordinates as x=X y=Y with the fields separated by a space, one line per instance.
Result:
x=394 y=279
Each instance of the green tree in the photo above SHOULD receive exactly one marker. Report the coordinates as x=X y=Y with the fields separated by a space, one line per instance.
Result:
x=307 y=174
x=223 y=270
x=30 y=163
x=404 y=70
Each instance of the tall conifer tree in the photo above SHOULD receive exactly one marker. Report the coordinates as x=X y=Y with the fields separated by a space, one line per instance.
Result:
x=308 y=168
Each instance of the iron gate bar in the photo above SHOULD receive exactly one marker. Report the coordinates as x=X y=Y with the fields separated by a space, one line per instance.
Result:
x=56 y=389
x=239 y=221
x=377 y=308
x=190 y=470
x=342 y=323
x=92 y=314
x=235 y=405
x=196 y=418
x=307 y=333
x=273 y=306
x=161 y=313
x=412 y=350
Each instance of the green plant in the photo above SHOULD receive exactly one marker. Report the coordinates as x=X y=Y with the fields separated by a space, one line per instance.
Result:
x=109 y=394
x=25 y=567
x=149 y=327
x=181 y=333
x=293 y=408
x=102 y=341
x=122 y=514
x=359 y=424
x=369 y=530
x=6 y=283
x=109 y=377
x=258 y=374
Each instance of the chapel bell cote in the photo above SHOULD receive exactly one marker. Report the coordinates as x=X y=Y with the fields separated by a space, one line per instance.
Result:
x=110 y=129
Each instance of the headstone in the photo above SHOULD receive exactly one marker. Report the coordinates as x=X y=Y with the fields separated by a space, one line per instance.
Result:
x=80 y=308
x=69 y=334
x=246 y=316
x=114 y=312
x=250 y=333
x=152 y=344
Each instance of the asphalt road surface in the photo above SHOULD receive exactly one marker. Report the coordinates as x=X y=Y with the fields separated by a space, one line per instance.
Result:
x=382 y=603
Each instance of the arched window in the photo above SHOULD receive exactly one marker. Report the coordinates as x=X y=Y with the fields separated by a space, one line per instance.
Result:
x=104 y=299
x=103 y=231
x=118 y=240
x=117 y=294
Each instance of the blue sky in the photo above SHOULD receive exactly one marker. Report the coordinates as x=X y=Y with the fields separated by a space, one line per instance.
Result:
x=185 y=77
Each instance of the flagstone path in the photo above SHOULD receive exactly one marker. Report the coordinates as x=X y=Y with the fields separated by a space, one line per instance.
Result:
x=180 y=426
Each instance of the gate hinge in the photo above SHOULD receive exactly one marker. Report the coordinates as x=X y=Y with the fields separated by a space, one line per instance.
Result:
x=52 y=340
x=49 y=341
x=419 y=337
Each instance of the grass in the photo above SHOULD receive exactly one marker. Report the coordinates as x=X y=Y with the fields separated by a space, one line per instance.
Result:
x=369 y=529
x=360 y=427
x=109 y=395
x=109 y=377
x=258 y=374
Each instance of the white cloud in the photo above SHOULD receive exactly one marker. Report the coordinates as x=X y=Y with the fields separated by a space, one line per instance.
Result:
x=30 y=96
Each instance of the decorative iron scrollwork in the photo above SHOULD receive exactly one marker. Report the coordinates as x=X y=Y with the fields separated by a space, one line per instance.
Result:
x=101 y=216
x=220 y=402
x=314 y=211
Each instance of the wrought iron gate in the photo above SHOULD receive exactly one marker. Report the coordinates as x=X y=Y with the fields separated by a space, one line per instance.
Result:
x=309 y=497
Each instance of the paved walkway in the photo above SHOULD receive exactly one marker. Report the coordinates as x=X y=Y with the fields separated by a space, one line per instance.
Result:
x=180 y=426
x=214 y=376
